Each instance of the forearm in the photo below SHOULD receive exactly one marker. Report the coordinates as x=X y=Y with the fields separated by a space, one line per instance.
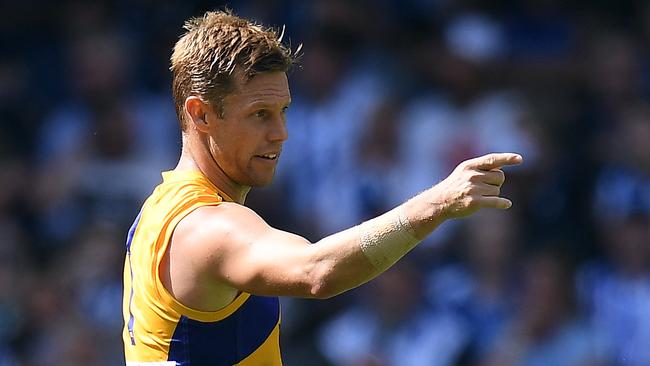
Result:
x=352 y=257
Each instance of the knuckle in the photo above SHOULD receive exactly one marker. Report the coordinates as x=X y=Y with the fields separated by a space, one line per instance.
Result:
x=466 y=203
x=474 y=177
x=464 y=192
x=468 y=189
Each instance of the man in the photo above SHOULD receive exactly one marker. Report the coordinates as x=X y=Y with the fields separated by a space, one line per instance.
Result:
x=203 y=272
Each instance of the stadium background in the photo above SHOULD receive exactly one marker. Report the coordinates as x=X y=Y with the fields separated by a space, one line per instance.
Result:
x=389 y=96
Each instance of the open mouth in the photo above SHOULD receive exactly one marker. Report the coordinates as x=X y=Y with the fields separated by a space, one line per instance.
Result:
x=268 y=156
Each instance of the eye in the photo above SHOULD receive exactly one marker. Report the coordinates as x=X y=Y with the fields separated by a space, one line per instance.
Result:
x=285 y=109
x=262 y=113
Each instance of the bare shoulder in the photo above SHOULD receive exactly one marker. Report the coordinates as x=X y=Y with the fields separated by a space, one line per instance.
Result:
x=222 y=225
x=201 y=243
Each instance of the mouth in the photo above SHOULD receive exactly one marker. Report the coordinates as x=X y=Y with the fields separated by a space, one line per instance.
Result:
x=269 y=156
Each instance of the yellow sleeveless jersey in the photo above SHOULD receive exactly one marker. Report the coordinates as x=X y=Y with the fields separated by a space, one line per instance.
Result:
x=159 y=330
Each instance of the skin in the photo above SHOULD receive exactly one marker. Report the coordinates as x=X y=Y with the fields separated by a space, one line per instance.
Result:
x=218 y=251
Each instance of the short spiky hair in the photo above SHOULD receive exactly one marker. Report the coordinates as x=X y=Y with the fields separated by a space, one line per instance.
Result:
x=206 y=56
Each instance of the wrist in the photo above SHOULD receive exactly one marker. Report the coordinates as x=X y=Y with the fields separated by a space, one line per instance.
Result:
x=425 y=212
x=440 y=207
x=386 y=238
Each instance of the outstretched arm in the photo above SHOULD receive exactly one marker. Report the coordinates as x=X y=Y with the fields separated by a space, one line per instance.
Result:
x=240 y=250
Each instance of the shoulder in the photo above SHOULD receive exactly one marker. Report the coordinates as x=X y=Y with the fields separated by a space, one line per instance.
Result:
x=224 y=216
x=223 y=225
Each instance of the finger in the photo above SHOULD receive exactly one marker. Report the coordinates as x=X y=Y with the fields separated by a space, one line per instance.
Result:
x=485 y=189
x=494 y=161
x=495 y=177
x=496 y=202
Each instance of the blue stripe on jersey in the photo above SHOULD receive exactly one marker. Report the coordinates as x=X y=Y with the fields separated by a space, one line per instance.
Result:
x=129 y=239
x=129 y=236
x=228 y=341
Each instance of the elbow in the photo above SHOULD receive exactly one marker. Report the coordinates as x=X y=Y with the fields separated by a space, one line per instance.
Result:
x=321 y=290
x=322 y=276
x=322 y=285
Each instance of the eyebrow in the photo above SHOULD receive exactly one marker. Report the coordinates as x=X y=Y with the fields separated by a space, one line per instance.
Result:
x=260 y=104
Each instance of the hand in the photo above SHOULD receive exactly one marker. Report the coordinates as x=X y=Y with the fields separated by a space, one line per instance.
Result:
x=474 y=184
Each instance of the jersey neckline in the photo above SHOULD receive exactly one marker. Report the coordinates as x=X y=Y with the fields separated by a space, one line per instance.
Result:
x=180 y=175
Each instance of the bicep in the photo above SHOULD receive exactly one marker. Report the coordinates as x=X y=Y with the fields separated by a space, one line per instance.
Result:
x=246 y=253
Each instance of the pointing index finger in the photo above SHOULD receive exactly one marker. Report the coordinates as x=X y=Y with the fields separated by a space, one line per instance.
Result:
x=494 y=161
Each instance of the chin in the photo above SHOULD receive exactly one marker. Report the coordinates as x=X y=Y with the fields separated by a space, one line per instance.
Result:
x=259 y=182
x=262 y=183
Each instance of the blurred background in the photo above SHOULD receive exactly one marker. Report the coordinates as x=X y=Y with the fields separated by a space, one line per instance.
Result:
x=390 y=95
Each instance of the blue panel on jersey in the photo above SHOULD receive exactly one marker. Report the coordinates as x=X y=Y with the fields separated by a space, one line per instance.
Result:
x=129 y=236
x=228 y=341
x=129 y=240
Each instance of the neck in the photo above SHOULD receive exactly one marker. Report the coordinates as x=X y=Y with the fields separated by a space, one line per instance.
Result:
x=197 y=157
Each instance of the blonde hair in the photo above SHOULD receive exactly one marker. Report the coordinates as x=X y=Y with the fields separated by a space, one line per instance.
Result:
x=214 y=45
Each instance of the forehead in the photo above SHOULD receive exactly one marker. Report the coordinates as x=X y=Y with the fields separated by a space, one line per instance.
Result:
x=270 y=87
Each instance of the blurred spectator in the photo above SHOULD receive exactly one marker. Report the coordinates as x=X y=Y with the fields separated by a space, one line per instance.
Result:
x=328 y=112
x=105 y=131
x=616 y=291
x=390 y=327
x=379 y=176
x=546 y=329
x=623 y=185
x=14 y=271
x=480 y=289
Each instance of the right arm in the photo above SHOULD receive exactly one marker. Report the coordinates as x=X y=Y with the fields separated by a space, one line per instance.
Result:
x=238 y=249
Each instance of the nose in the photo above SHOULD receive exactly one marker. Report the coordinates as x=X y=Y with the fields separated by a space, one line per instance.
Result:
x=278 y=131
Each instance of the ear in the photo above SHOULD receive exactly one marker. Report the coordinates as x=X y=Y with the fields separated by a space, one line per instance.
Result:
x=196 y=112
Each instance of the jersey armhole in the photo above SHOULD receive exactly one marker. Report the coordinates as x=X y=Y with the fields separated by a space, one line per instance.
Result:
x=176 y=305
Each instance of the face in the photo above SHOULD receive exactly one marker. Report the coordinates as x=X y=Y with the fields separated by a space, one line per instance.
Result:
x=246 y=141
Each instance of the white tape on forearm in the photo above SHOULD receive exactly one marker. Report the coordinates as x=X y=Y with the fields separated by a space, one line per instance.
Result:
x=387 y=238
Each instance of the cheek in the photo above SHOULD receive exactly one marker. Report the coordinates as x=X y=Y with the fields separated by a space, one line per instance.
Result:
x=230 y=151
x=235 y=142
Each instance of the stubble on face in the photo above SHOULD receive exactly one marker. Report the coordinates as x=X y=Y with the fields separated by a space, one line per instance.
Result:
x=251 y=130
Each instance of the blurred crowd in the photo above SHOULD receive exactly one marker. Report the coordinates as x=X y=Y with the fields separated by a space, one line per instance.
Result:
x=389 y=96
